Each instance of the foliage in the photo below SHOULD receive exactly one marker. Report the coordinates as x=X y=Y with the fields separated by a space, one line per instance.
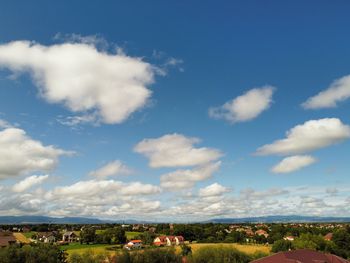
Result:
x=87 y=257
x=149 y=256
x=88 y=235
x=281 y=245
x=210 y=254
x=40 y=253
x=186 y=250
x=146 y=237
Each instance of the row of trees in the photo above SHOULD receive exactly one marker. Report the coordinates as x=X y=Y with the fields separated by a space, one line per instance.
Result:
x=115 y=235
x=36 y=253
x=340 y=244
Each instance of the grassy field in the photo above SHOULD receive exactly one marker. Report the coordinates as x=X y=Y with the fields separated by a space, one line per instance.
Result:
x=21 y=238
x=248 y=249
x=131 y=235
x=29 y=234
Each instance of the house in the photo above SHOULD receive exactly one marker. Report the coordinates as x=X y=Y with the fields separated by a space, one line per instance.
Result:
x=69 y=237
x=328 y=237
x=261 y=232
x=136 y=227
x=152 y=229
x=169 y=240
x=7 y=238
x=134 y=244
x=46 y=237
x=301 y=256
x=289 y=238
x=249 y=232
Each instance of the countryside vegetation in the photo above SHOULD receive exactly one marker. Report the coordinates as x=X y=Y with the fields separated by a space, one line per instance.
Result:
x=203 y=242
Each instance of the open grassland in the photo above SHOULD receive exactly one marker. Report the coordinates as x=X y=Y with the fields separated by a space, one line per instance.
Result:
x=132 y=235
x=29 y=234
x=248 y=249
x=21 y=238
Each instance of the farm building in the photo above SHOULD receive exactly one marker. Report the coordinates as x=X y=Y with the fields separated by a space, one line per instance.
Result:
x=168 y=240
x=69 y=237
x=134 y=244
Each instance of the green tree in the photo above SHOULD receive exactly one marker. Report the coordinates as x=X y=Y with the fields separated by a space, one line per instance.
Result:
x=281 y=245
x=88 y=235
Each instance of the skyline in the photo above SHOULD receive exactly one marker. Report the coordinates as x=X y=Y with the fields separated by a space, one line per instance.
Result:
x=157 y=111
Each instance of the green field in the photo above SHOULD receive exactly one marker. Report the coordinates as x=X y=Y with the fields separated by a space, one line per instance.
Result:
x=131 y=235
x=78 y=246
x=29 y=234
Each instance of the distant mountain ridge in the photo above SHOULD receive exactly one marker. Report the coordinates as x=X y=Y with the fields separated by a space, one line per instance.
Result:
x=6 y=220
x=281 y=219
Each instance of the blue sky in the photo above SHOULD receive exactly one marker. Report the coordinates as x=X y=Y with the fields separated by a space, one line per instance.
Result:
x=185 y=59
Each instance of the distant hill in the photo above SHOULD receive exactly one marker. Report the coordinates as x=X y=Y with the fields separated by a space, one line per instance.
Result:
x=5 y=220
x=281 y=219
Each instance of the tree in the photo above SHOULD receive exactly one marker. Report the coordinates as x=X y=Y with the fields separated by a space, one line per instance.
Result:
x=88 y=235
x=186 y=250
x=281 y=245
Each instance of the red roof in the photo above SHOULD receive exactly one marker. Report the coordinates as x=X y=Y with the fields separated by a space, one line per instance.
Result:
x=301 y=256
x=136 y=241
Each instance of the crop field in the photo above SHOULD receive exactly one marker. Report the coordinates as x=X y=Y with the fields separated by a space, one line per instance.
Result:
x=21 y=238
x=248 y=249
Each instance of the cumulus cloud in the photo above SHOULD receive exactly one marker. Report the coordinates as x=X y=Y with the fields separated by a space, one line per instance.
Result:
x=293 y=163
x=94 y=188
x=245 y=107
x=213 y=190
x=20 y=155
x=29 y=182
x=311 y=135
x=113 y=168
x=175 y=150
x=337 y=92
x=83 y=79
x=184 y=179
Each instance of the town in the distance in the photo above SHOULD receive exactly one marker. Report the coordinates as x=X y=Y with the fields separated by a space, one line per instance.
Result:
x=167 y=242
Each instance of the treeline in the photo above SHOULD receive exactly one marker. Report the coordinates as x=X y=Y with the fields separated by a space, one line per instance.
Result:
x=115 y=235
x=35 y=253
x=339 y=245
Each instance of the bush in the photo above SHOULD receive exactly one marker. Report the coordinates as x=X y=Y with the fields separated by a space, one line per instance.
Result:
x=281 y=245
x=87 y=257
x=215 y=254
x=149 y=256
x=40 y=253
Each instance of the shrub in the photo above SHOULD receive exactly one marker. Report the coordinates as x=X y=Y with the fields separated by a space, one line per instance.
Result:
x=218 y=254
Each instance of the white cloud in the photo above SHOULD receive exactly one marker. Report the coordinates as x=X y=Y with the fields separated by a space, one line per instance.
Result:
x=29 y=182
x=213 y=190
x=102 y=188
x=245 y=107
x=293 y=163
x=183 y=179
x=175 y=150
x=311 y=135
x=4 y=124
x=113 y=86
x=20 y=155
x=337 y=92
x=113 y=168
x=74 y=121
